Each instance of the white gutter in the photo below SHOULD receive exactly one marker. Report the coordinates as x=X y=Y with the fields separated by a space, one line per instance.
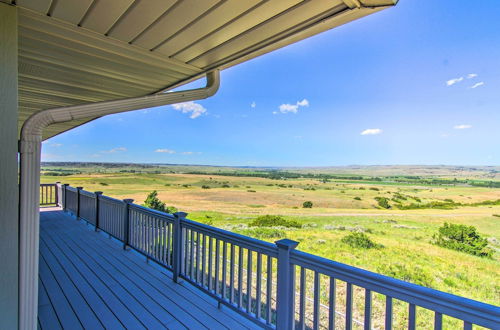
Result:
x=30 y=147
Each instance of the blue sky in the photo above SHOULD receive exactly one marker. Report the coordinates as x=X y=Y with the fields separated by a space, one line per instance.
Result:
x=414 y=84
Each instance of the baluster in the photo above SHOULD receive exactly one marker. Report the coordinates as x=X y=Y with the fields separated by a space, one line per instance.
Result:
x=210 y=252
x=331 y=304
x=411 y=317
x=269 y=289
x=249 y=281
x=388 y=313
x=197 y=272
x=169 y=243
x=224 y=269
x=231 y=274
x=368 y=310
x=258 y=291
x=302 y=299
x=191 y=255
x=348 y=307
x=157 y=238
x=204 y=262
x=186 y=251
x=438 y=321
x=217 y=262
x=163 y=241
x=240 y=277
x=316 y=301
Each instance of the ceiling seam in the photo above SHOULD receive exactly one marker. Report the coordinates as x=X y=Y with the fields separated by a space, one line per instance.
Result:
x=150 y=26
x=197 y=19
x=284 y=12
x=87 y=13
x=246 y=12
x=122 y=17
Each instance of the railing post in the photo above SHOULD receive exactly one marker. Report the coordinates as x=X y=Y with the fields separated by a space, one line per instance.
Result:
x=56 y=188
x=65 y=197
x=285 y=286
x=78 y=202
x=177 y=245
x=97 y=196
x=126 y=222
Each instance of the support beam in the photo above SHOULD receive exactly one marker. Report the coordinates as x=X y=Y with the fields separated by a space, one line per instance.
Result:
x=30 y=146
x=9 y=240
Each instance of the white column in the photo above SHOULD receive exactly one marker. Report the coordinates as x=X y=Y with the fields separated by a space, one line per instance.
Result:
x=29 y=223
x=9 y=231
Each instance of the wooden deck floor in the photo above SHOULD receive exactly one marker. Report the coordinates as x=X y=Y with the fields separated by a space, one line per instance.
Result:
x=88 y=281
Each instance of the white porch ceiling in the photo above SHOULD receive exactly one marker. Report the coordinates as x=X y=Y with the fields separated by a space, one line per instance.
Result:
x=79 y=51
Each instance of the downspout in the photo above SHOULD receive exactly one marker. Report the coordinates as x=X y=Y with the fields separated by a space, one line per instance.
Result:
x=30 y=151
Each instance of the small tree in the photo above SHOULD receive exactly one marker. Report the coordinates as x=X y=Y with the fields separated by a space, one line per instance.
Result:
x=153 y=202
x=307 y=205
x=462 y=238
x=383 y=202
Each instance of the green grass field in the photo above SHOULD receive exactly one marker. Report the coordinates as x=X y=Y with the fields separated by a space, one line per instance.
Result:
x=340 y=206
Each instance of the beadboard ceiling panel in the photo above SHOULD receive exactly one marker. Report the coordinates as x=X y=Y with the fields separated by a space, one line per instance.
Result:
x=80 y=51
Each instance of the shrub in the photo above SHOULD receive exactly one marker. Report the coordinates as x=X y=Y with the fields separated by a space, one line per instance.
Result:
x=205 y=187
x=307 y=204
x=153 y=202
x=412 y=274
x=251 y=190
x=171 y=209
x=374 y=189
x=273 y=221
x=357 y=198
x=383 y=202
x=263 y=232
x=359 y=240
x=496 y=215
x=226 y=186
x=103 y=184
x=462 y=238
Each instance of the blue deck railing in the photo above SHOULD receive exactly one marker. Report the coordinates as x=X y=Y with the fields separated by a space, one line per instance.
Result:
x=274 y=285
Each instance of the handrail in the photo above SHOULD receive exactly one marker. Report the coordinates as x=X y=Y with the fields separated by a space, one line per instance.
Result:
x=230 y=237
x=445 y=303
x=265 y=282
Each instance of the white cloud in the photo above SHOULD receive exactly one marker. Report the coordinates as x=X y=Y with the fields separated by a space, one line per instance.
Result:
x=371 y=131
x=303 y=103
x=253 y=105
x=191 y=107
x=285 y=108
x=471 y=75
x=165 y=151
x=454 y=81
x=481 y=83
x=293 y=108
x=463 y=126
x=112 y=151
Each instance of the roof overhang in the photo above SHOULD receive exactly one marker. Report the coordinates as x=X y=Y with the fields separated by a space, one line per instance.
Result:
x=79 y=51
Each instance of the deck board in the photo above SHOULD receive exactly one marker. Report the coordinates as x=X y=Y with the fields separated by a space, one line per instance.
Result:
x=89 y=281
